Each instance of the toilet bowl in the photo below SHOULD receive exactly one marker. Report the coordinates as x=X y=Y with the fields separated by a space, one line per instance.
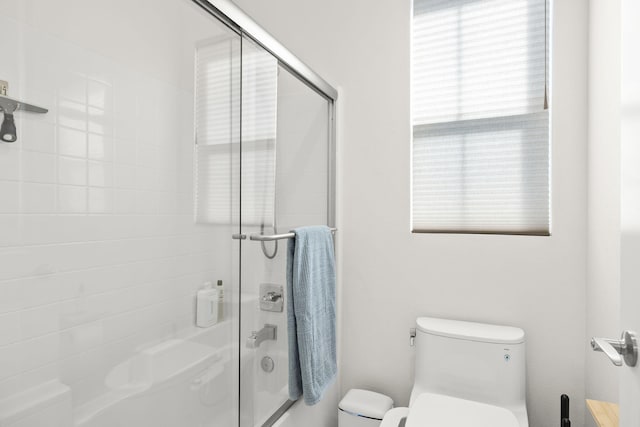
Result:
x=466 y=374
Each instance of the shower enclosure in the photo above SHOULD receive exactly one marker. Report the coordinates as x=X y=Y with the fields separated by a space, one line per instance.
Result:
x=181 y=141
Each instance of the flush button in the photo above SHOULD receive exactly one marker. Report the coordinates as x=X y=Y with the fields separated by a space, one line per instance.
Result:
x=507 y=357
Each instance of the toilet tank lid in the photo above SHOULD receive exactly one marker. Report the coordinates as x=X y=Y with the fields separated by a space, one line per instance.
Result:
x=470 y=331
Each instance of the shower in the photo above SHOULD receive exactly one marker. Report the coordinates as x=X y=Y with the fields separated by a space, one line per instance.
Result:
x=142 y=279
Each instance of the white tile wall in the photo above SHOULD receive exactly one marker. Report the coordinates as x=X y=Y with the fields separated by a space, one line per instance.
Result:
x=99 y=255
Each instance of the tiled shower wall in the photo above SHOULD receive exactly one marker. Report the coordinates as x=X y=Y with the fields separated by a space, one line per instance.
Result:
x=99 y=254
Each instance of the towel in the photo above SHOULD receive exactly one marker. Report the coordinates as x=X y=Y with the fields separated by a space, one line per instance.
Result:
x=311 y=313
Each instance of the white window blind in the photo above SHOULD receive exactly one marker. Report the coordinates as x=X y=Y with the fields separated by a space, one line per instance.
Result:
x=480 y=123
x=218 y=95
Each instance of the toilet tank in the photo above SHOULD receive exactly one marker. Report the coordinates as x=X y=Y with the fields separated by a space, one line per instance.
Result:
x=473 y=361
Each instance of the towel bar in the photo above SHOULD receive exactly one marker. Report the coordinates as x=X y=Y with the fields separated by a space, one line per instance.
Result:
x=272 y=237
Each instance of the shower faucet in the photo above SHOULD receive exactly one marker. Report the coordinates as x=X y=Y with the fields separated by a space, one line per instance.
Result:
x=269 y=332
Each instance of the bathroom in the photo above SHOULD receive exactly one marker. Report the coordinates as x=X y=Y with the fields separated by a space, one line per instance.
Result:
x=101 y=258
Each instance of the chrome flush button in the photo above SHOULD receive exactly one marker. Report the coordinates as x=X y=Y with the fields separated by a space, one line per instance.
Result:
x=507 y=357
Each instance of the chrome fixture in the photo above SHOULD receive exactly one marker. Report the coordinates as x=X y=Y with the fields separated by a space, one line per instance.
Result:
x=412 y=337
x=232 y=15
x=269 y=332
x=271 y=237
x=626 y=348
x=8 y=106
x=267 y=364
x=275 y=248
x=271 y=299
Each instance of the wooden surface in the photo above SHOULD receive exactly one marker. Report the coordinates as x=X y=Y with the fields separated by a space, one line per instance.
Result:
x=605 y=413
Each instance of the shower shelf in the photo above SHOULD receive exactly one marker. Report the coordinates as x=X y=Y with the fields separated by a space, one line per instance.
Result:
x=272 y=237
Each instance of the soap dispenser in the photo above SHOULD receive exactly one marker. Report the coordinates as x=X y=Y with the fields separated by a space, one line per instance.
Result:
x=207 y=306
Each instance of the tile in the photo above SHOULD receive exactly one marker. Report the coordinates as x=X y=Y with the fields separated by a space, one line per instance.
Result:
x=10 y=357
x=40 y=291
x=10 y=230
x=40 y=351
x=100 y=174
x=9 y=328
x=72 y=86
x=125 y=201
x=38 y=167
x=72 y=142
x=39 y=321
x=100 y=148
x=123 y=325
x=72 y=114
x=11 y=385
x=72 y=171
x=80 y=339
x=9 y=162
x=34 y=378
x=10 y=200
x=147 y=156
x=147 y=179
x=124 y=176
x=38 y=135
x=38 y=198
x=100 y=121
x=147 y=203
x=125 y=151
x=125 y=127
x=100 y=95
x=100 y=69
x=72 y=199
x=42 y=229
x=101 y=200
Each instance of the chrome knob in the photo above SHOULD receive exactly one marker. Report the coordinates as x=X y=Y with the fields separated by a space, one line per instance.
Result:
x=271 y=296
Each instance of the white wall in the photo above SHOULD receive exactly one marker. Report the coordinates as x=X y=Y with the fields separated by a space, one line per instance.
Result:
x=603 y=246
x=391 y=276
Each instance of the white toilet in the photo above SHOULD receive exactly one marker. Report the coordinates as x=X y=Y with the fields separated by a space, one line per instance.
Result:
x=466 y=374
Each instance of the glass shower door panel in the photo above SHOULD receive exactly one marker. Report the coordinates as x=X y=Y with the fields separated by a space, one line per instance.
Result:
x=108 y=237
x=284 y=184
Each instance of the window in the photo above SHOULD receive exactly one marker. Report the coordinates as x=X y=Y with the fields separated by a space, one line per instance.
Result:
x=480 y=117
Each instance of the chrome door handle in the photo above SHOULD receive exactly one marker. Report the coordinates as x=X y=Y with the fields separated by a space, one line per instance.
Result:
x=626 y=348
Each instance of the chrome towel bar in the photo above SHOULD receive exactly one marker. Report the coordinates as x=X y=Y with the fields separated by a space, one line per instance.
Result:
x=272 y=237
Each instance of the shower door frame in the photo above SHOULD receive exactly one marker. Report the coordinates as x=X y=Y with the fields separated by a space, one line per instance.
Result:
x=238 y=21
x=235 y=18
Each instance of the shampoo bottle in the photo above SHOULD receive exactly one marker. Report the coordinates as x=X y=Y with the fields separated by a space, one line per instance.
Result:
x=220 y=289
x=207 y=306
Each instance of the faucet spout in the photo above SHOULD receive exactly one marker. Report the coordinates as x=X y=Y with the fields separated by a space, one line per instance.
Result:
x=269 y=332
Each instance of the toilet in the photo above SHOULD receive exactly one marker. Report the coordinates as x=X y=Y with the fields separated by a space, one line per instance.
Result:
x=466 y=374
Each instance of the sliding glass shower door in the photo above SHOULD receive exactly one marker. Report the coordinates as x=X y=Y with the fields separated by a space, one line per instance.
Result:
x=128 y=296
x=110 y=250
x=284 y=178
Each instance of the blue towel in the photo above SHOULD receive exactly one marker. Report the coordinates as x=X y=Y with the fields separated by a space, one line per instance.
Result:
x=311 y=313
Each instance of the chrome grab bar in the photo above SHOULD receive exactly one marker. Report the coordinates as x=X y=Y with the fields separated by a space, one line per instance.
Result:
x=272 y=237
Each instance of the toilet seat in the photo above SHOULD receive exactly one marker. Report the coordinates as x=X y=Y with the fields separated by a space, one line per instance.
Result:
x=437 y=410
